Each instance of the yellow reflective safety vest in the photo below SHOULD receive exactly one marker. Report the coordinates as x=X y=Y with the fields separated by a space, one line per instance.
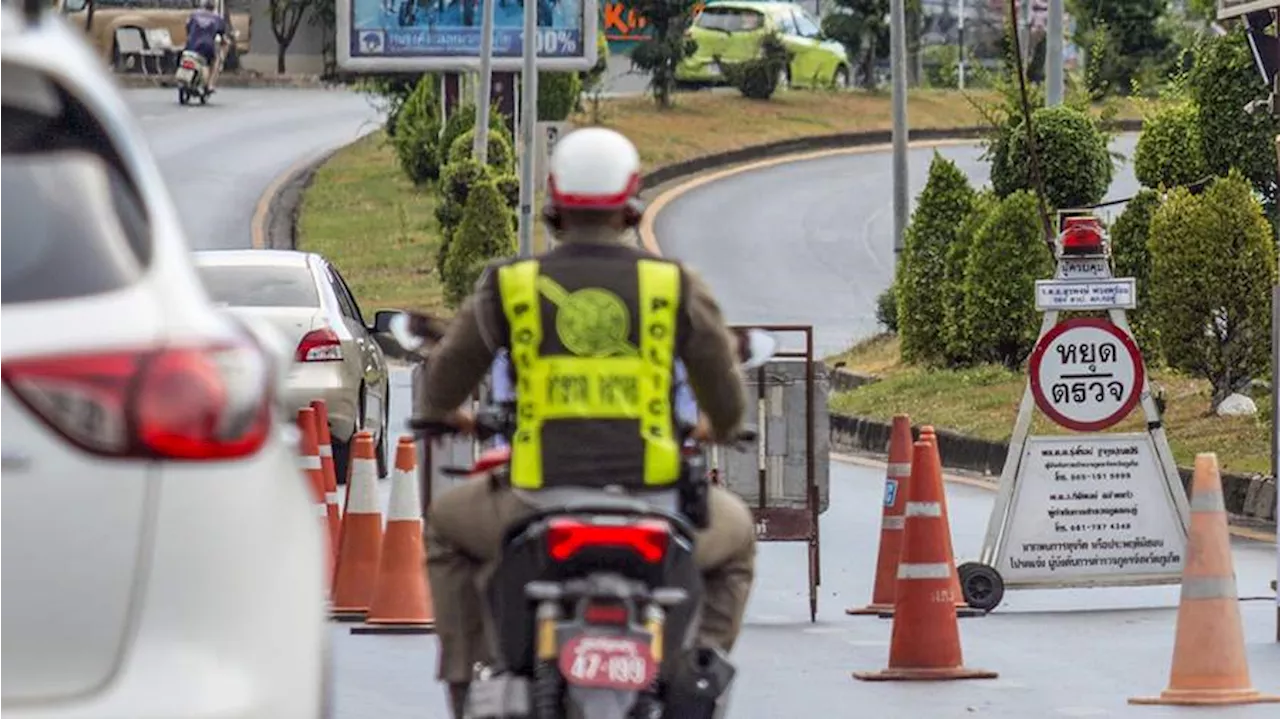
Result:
x=593 y=374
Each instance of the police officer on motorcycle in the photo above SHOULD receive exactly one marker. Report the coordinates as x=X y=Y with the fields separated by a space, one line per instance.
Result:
x=595 y=311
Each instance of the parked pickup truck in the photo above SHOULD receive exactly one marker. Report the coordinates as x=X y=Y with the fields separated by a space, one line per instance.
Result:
x=101 y=19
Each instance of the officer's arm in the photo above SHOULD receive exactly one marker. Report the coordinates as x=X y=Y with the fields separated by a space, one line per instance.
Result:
x=711 y=358
x=458 y=364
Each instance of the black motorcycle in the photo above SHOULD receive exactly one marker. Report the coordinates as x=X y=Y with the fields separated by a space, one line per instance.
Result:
x=595 y=598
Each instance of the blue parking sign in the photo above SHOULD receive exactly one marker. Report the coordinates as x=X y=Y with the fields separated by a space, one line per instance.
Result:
x=890 y=492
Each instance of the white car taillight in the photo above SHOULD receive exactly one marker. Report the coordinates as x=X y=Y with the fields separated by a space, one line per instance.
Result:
x=320 y=345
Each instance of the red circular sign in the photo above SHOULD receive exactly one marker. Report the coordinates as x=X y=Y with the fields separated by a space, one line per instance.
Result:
x=1086 y=374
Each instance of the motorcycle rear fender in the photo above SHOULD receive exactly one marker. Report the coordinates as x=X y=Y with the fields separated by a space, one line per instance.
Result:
x=524 y=559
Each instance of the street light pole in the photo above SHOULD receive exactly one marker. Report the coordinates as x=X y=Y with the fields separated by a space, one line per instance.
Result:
x=1053 y=55
x=898 y=59
x=528 y=122
x=484 y=88
x=960 y=78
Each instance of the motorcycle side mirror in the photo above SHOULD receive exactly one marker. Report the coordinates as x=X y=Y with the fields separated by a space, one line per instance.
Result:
x=755 y=347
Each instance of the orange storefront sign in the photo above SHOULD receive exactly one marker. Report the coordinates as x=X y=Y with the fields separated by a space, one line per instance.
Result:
x=621 y=23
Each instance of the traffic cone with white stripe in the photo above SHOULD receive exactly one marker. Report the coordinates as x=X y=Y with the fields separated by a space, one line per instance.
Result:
x=891 y=521
x=401 y=600
x=309 y=461
x=1209 y=662
x=926 y=633
x=361 y=548
x=330 y=476
x=927 y=434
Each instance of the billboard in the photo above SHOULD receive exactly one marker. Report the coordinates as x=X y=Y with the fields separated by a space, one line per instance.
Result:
x=1236 y=8
x=444 y=35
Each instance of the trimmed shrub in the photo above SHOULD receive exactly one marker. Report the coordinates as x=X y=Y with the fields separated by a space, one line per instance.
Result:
x=462 y=120
x=1074 y=161
x=759 y=77
x=1131 y=258
x=500 y=156
x=957 y=348
x=1222 y=81
x=1006 y=257
x=1213 y=263
x=944 y=204
x=1170 y=150
x=484 y=235
x=455 y=186
x=887 y=309
x=418 y=133
x=558 y=94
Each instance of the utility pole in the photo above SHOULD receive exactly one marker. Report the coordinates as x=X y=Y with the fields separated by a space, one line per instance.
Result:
x=1053 y=55
x=898 y=60
x=484 y=88
x=528 y=124
x=960 y=77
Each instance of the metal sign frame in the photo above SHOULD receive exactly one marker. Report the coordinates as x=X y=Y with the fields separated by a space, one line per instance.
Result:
x=998 y=525
x=789 y=524
x=1228 y=9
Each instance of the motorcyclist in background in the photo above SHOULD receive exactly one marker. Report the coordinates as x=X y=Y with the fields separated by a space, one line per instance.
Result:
x=594 y=312
x=206 y=30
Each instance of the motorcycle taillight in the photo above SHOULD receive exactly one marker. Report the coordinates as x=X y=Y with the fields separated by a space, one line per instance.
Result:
x=189 y=64
x=647 y=538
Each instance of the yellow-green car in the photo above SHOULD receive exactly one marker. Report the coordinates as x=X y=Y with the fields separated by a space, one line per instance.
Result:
x=732 y=30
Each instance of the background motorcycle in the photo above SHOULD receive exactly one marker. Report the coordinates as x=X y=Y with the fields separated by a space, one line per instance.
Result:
x=193 y=74
x=595 y=597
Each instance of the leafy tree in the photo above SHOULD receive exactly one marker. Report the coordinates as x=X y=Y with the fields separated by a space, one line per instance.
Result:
x=758 y=78
x=1075 y=163
x=945 y=203
x=1170 y=149
x=887 y=309
x=668 y=21
x=417 y=133
x=1131 y=258
x=1134 y=35
x=1006 y=257
x=485 y=234
x=1213 y=266
x=1222 y=81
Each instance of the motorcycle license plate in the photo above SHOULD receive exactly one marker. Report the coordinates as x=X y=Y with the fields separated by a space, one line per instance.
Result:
x=609 y=662
x=186 y=74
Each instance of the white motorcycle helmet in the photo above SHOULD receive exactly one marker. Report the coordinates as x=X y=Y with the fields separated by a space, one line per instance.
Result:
x=593 y=168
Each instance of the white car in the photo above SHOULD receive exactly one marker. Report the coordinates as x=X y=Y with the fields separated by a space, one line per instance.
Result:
x=161 y=551
x=336 y=355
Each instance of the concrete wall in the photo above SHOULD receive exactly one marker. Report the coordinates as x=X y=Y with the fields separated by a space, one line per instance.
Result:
x=304 y=56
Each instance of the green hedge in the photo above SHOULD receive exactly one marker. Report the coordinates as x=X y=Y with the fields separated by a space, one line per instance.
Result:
x=1213 y=263
x=500 y=155
x=957 y=346
x=1131 y=258
x=558 y=94
x=417 y=133
x=945 y=203
x=1005 y=258
x=484 y=235
x=1074 y=161
x=462 y=120
x=1170 y=149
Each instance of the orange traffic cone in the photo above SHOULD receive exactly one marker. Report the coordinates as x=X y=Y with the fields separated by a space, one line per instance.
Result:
x=1209 y=663
x=401 y=599
x=359 y=554
x=330 y=475
x=891 y=521
x=926 y=634
x=309 y=461
x=927 y=434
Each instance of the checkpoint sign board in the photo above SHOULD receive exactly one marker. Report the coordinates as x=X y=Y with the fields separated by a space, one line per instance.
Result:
x=1235 y=8
x=1086 y=374
x=1091 y=510
x=444 y=35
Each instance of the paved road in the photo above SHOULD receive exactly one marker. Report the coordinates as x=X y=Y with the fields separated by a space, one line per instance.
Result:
x=221 y=157
x=810 y=242
x=1051 y=664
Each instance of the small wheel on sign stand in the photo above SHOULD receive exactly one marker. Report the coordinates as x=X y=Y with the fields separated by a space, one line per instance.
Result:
x=982 y=585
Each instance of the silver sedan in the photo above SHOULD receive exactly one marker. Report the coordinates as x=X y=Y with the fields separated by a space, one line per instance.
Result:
x=336 y=358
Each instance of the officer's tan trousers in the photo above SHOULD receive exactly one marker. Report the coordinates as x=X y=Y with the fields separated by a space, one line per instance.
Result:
x=463 y=536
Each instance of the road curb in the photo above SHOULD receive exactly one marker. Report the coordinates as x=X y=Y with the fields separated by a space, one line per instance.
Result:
x=236 y=80
x=1250 y=499
x=275 y=220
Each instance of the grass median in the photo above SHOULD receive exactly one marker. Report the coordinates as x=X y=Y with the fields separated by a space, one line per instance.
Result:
x=381 y=233
x=983 y=402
